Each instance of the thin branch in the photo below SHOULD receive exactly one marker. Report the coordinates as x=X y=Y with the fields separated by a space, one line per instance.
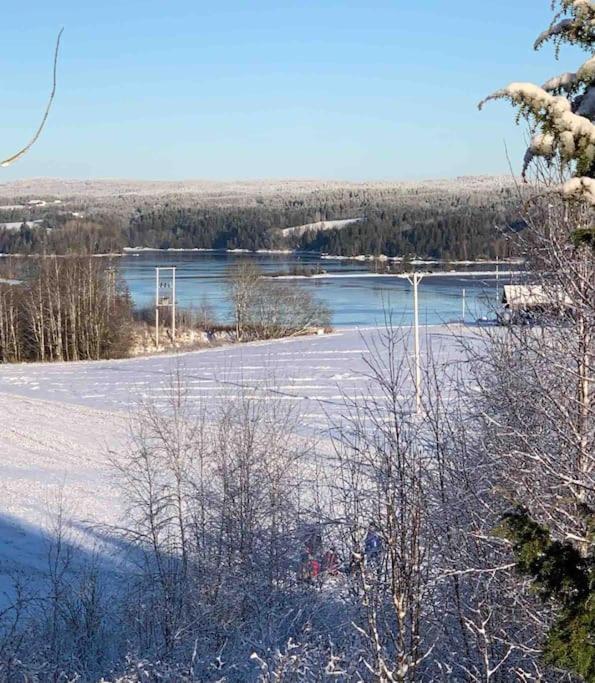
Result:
x=22 y=152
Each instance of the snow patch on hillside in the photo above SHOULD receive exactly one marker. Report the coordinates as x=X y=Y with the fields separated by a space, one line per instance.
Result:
x=320 y=226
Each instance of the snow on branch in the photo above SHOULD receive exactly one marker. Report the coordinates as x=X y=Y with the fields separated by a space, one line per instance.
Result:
x=586 y=73
x=578 y=28
x=581 y=8
x=566 y=81
x=570 y=82
x=558 y=29
x=10 y=160
x=569 y=134
x=580 y=188
x=541 y=145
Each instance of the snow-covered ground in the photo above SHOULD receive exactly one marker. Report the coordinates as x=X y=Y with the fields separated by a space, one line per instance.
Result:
x=53 y=456
x=16 y=225
x=320 y=226
x=61 y=423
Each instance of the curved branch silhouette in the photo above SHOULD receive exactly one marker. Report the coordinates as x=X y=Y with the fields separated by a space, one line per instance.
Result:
x=22 y=152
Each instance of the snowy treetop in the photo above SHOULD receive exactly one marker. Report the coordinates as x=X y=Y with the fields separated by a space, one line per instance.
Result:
x=562 y=111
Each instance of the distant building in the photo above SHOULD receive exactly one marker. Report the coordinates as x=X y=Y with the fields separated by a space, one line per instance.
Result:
x=525 y=303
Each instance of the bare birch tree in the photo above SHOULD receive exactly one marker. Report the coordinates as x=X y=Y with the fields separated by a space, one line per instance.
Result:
x=70 y=308
x=265 y=308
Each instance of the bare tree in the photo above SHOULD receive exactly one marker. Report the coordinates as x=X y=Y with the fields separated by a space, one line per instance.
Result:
x=213 y=501
x=381 y=485
x=11 y=323
x=243 y=284
x=15 y=157
x=265 y=309
x=70 y=308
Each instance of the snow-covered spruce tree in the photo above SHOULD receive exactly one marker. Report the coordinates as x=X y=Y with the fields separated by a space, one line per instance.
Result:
x=561 y=112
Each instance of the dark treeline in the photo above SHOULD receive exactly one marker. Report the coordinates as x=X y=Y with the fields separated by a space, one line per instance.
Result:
x=458 y=234
x=433 y=223
x=217 y=228
x=104 y=234
x=63 y=309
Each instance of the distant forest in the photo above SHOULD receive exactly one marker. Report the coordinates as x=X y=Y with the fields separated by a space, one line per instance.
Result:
x=432 y=223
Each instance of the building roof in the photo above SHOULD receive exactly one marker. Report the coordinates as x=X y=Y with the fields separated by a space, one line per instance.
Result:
x=530 y=296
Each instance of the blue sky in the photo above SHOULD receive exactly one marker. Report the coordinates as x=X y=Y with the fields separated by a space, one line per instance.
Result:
x=235 y=90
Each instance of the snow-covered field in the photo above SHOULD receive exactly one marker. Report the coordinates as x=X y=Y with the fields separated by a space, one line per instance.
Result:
x=61 y=423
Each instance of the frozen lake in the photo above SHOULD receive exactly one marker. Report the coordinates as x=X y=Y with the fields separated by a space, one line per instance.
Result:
x=354 y=299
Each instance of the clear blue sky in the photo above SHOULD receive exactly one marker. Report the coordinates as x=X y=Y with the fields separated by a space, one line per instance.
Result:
x=337 y=89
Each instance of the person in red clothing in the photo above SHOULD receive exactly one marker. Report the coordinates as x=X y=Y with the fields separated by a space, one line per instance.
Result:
x=313 y=568
x=309 y=569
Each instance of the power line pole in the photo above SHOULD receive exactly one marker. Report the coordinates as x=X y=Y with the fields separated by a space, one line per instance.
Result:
x=414 y=280
x=165 y=301
x=157 y=307
x=173 y=306
x=463 y=305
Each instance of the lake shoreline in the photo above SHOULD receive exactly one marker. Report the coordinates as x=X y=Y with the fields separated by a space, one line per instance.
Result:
x=446 y=273
x=359 y=258
x=130 y=251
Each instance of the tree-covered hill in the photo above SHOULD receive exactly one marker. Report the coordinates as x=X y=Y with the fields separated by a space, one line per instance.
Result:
x=466 y=219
